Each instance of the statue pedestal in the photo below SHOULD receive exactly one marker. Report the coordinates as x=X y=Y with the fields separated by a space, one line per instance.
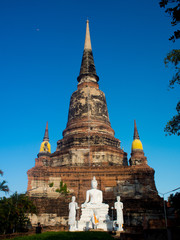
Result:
x=92 y=211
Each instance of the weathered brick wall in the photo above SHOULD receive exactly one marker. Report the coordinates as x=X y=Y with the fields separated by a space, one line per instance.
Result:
x=128 y=181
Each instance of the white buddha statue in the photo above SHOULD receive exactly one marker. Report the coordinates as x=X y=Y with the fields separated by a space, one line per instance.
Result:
x=94 y=211
x=93 y=196
x=119 y=210
x=73 y=206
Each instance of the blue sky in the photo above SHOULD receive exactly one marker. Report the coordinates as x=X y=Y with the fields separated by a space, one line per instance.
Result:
x=41 y=47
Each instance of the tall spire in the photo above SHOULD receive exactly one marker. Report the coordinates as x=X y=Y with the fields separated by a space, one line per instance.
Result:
x=46 y=134
x=87 y=65
x=136 y=135
x=87 y=44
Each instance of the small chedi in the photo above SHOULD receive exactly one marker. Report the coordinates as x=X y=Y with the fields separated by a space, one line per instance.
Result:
x=89 y=148
x=95 y=212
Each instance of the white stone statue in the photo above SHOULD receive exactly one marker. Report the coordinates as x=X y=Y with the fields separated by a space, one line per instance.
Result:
x=73 y=206
x=119 y=210
x=93 y=196
x=94 y=211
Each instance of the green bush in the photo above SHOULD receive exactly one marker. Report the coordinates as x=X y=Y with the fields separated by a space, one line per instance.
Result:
x=51 y=184
x=62 y=188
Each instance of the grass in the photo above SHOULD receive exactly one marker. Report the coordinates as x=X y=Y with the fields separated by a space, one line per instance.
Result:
x=67 y=236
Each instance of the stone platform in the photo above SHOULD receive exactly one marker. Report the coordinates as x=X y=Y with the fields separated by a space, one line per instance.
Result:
x=132 y=183
x=101 y=213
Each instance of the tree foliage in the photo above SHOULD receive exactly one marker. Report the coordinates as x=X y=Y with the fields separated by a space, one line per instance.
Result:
x=3 y=186
x=14 y=213
x=174 y=58
x=62 y=188
x=172 y=7
x=173 y=126
x=174 y=200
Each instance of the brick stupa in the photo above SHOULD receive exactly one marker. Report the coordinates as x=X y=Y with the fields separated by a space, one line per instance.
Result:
x=88 y=148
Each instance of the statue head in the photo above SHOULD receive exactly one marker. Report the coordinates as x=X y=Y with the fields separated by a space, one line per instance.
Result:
x=118 y=198
x=94 y=183
x=73 y=198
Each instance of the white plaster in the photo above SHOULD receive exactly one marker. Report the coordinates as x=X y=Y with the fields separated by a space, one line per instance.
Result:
x=47 y=219
x=41 y=188
x=119 y=210
x=73 y=206
x=94 y=211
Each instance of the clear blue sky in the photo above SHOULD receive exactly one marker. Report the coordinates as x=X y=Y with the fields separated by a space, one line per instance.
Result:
x=41 y=47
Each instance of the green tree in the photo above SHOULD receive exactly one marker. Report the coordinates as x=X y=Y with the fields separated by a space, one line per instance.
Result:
x=14 y=213
x=3 y=186
x=174 y=201
x=172 y=7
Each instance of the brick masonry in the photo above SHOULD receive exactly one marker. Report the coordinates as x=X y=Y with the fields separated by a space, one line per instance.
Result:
x=88 y=149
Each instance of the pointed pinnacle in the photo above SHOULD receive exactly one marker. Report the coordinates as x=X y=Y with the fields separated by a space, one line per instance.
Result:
x=87 y=64
x=46 y=134
x=87 y=44
x=136 y=135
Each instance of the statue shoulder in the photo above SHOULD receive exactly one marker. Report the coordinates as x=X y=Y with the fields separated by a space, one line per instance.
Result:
x=98 y=190
x=88 y=191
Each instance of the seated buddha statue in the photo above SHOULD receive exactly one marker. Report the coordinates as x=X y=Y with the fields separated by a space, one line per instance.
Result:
x=94 y=211
x=94 y=197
